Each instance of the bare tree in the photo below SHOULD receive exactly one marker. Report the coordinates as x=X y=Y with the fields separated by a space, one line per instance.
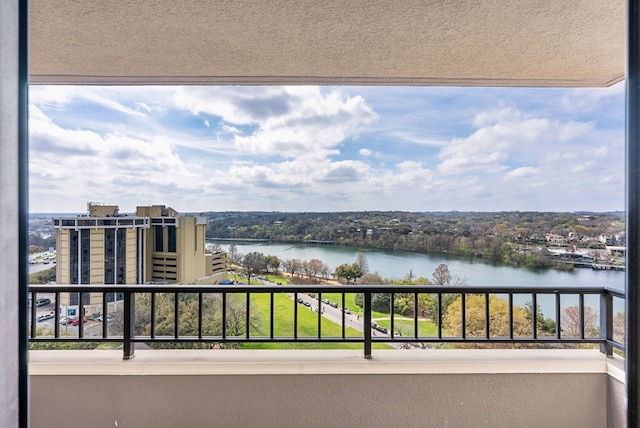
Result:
x=571 y=321
x=236 y=317
x=370 y=279
x=234 y=256
x=295 y=267
x=442 y=276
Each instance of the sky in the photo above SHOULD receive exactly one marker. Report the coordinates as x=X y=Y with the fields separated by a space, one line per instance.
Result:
x=324 y=148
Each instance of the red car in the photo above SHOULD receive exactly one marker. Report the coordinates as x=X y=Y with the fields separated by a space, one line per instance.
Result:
x=76 y=321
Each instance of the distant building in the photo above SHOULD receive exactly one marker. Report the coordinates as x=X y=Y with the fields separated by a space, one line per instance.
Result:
x=556 y=239
x=156 y=244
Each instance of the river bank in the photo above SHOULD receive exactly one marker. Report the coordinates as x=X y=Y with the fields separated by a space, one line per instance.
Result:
x=398 y=264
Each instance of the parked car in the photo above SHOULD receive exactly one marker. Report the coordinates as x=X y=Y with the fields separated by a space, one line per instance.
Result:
x=45 y=317
x=42 y=302
x=333 y=304
x=307 y=304
x=65 y=321
x=76 y=321
x=382 y=329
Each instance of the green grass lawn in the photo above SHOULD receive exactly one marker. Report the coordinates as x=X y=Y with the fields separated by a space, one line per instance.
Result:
x=278 y=279
x=350 y=302
x=425 y=328
x=307 y=325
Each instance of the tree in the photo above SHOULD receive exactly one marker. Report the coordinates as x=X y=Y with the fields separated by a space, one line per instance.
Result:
x=253 y=263
x=188 y=309
x=348 y=272
x=272 y=263
x=544 y=325
x=381 y=302
x=316 y=266
x=571 y=322
x=370 y=279
x=295 y=267
x=215 y=248
x=237 y=319
x=35 y=249
x=442 y=276
x=43 y=277
x=362 y=263
x=475 y=319
x=619 y=327
x=234 y=256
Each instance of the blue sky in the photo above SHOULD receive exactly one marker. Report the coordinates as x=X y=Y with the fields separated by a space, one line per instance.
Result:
x=307 y=148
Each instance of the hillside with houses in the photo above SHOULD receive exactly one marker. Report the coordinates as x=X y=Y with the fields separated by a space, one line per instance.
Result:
x=536 y=239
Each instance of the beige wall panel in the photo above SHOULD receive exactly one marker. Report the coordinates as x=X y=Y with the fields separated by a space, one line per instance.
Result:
x=97 y=256
x=321 y=400
x=130 y=275
x=148 y=253
x=187 y=269
x=62 y=257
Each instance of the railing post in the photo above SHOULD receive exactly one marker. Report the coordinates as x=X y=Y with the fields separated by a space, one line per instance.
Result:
x=366 y=327
x=606 y=324
x=129 y=325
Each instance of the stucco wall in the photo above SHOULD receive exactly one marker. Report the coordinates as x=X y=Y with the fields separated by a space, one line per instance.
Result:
x=616 y=403
x=321 y=400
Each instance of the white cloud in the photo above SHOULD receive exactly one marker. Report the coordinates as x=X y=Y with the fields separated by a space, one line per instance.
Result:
x=143 y=106
x=291 y=122
x=310 y=149
x=76 y=166
x=507 y=135
x=591 y=99
x=61 y=96
x=522 y=172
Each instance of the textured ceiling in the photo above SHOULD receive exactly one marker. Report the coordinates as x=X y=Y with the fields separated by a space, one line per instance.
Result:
x=362 y=42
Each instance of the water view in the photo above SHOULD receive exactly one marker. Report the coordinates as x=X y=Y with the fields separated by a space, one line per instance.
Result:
x=395 y=264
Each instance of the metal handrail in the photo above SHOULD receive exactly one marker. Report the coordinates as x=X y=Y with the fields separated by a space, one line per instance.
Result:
x=128 y=336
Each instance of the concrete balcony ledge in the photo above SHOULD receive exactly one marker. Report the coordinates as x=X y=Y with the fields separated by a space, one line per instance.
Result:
x=334 y=388
x=229 y=362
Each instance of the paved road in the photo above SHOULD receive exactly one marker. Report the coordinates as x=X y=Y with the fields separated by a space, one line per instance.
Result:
x=335 y=315
x=40 y=265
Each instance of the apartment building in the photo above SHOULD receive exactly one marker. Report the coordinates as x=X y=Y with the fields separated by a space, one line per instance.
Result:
x=156 y=244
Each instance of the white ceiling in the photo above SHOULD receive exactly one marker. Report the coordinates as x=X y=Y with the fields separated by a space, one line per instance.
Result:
x=355 y=42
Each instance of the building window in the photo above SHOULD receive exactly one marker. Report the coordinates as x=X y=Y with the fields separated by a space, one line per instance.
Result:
x=159 y=238
x=121 y=259
x=171 y=238
x=85 y=256
x=109 y=256
x=73 y=257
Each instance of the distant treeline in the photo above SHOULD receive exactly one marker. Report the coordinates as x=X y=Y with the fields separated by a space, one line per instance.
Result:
x=516 y=238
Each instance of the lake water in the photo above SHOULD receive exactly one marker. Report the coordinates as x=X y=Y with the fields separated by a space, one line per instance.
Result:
x=397 y=264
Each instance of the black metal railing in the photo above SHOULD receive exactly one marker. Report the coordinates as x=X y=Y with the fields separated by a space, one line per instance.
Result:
x=426 y=316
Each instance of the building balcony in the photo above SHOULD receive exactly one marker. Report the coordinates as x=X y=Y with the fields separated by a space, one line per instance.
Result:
x=443 y=388
x=364 y=386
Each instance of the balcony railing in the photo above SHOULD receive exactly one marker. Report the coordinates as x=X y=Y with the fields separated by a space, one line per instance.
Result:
x=221 y=315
